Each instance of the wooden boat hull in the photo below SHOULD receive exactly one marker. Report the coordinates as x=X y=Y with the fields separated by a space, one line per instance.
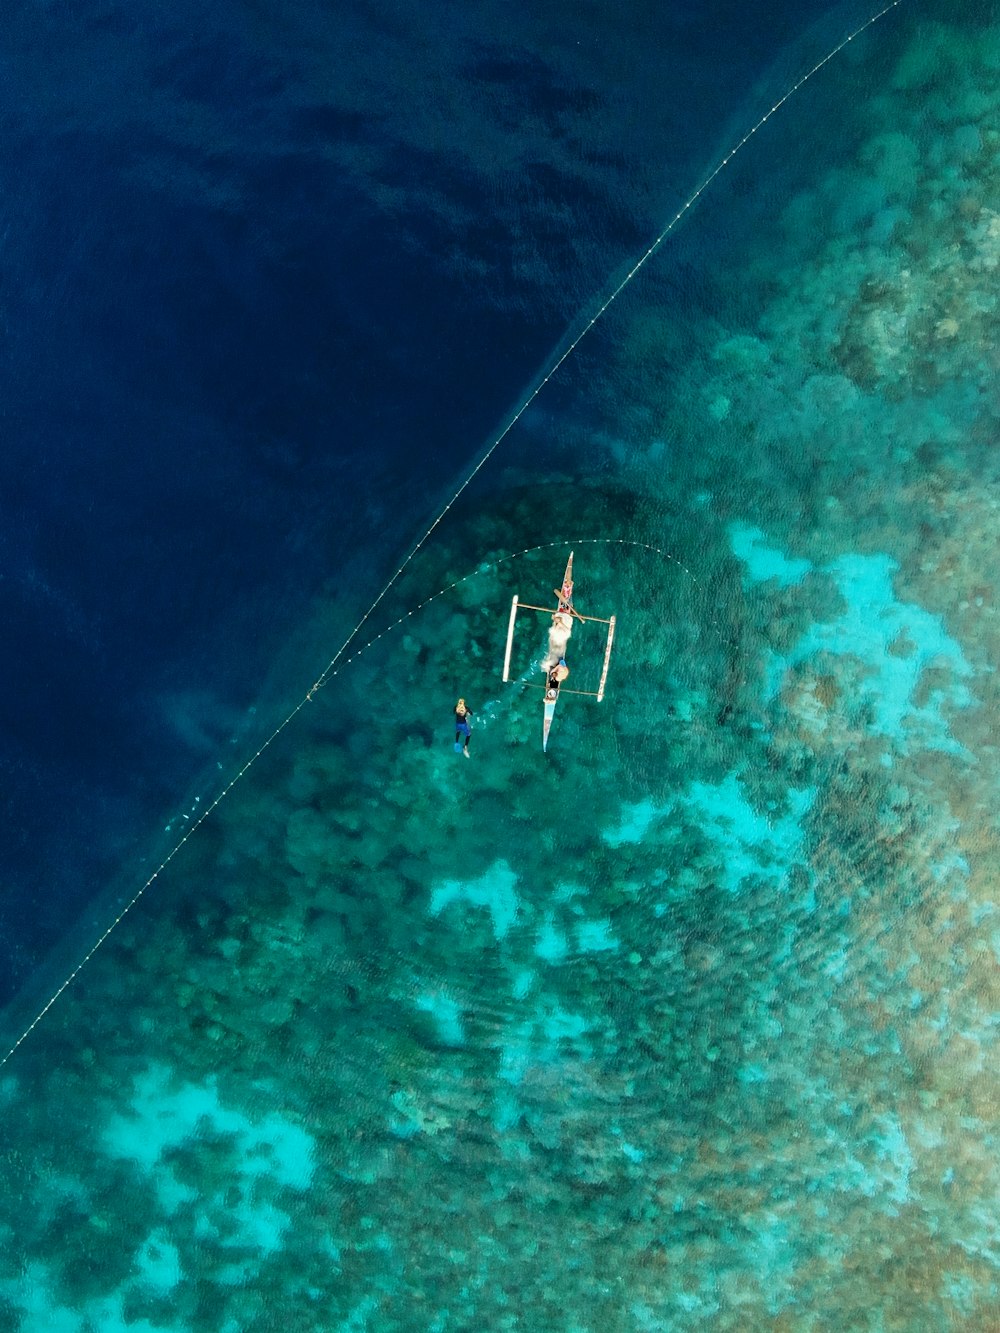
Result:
x=564 y=607
x=550 y=712
x=565 y=595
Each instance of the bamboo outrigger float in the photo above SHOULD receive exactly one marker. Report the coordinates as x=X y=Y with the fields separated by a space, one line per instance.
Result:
x=563 y=614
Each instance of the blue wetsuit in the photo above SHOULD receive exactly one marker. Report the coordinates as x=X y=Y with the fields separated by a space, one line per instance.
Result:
x=463 y=731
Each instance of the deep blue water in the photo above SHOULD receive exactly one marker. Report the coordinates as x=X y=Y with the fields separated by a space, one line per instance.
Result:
x=270 y=274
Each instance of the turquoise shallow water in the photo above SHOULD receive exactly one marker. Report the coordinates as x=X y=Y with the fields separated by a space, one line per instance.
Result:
x=693 y=1024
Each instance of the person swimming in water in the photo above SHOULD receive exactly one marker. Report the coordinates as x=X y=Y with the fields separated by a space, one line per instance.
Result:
x=463 y=728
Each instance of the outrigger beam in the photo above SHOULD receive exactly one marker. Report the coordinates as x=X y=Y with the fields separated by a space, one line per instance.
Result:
x=607 y=659
x=555 y=610
x=563 y=689
x=510 y=638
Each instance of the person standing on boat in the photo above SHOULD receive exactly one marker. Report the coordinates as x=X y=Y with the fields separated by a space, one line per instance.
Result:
x=557 y=675
x=463 y=728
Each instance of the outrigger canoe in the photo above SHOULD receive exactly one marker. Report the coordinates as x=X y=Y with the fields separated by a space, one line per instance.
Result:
x=564 y=614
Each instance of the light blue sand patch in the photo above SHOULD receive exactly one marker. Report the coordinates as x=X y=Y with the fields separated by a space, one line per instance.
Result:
x=524 y=979
x=887 y=1176
x=446 y=1014
x=595 y=936
x=494 y=890
x=773 y=1254
x=960 y=1290
x=771 y=1246
x=357 y=1320
x=410 y=1118
x=751 y=1073
x=952 y=865
x=538 y=1049
x=260 y=1226
x=172 y=1193
x=159 y=1119
x=550 y=944
x=158 y=1263
x=752 y=843
x=560 y=1024
x=40 y=1313
x=896 y=641
x=537 y=1040
x=635 y=821
x=893 y=1151
x=873 y=621
x=764 y=562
